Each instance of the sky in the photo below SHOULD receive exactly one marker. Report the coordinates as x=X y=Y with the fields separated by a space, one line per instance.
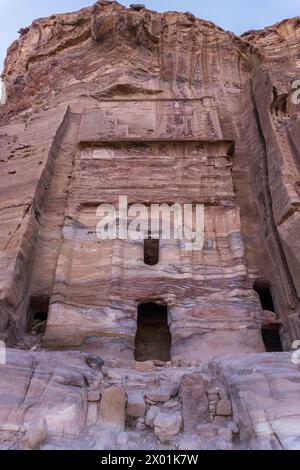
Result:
x=232 y=15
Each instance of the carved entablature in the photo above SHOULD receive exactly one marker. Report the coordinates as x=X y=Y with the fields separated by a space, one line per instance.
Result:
x=151 y=120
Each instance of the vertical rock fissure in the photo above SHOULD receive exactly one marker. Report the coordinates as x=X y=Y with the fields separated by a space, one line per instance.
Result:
x=269 y=202
x=63 y=168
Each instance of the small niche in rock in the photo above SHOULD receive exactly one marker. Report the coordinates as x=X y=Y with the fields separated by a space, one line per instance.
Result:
x=38 y=315
x=151 y=251
x=279 y=106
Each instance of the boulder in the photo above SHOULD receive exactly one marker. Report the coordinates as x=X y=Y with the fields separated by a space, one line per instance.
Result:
x=167 y=426
x=158 y=395
x=224 y=408
x=151 y=415
x=94 y=396
x=112 y=407
x=35 y=436
x=194 y=400
x=136 y=406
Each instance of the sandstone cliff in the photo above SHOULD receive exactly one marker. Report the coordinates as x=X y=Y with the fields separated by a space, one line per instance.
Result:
x=162 y=108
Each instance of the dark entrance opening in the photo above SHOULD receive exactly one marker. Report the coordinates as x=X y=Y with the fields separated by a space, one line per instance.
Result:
x=153 y=338
x=271 y=327
x=151 y=251
x=271 y=339
x=263 y=290
x=38 y=315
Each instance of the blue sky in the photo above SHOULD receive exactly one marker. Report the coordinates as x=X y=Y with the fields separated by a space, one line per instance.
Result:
x=233 y=15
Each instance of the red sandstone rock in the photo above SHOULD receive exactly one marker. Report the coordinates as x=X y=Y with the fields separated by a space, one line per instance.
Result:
x=162 y=108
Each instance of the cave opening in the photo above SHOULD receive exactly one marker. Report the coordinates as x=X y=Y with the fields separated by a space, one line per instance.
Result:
x=151 y=251
x=38 y=315
x=271 y=329
x=271 y=339
x=262 y=288
x=153 y=337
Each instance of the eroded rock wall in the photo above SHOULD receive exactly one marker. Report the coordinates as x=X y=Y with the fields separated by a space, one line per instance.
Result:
x=152 y=91
x=69 y=400
x=160 y=108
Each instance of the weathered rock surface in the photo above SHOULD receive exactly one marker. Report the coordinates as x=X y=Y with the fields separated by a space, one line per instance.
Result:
x=139 y=99
x=136 y=405
x=161 y=108
x=112 y=408
x=167 y=426
x=265 y=398
x=35 y=436
x=194 y=400
x=123 y=89
x=45 y=400
x=50 y=388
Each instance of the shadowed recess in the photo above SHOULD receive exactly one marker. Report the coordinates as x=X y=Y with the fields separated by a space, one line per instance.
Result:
x=153 y=338
x=262 y=288
x=151 y=252
x=270 y=332
x=38 y=315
